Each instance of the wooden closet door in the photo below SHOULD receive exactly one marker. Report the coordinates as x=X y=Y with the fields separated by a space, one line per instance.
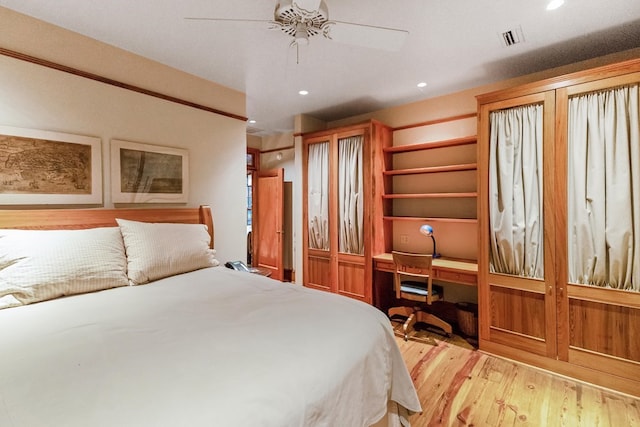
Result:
x=320 y=246
x=353 y=270
x=598 y=327
x=515 y=311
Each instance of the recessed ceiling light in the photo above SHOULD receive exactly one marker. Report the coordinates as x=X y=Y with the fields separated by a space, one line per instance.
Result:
x=252 y=121
x=304 y=92
x=422 y=84
x=554 y=4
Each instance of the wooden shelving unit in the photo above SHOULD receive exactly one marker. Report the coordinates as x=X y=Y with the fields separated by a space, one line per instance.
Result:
x=431 y=183
x=438 y=169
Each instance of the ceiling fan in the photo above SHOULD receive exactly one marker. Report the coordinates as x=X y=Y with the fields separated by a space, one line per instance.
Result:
x=303 y=19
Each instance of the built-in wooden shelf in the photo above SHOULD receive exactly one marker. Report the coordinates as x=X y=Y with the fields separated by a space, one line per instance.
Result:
x=426 y=219
x=429 y=145
x=433 y=169
x=440 y=197
x=430 y=195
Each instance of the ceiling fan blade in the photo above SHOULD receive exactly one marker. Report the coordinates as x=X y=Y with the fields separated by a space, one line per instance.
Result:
x=308 y=5
x=371 y=36
x=228 y=19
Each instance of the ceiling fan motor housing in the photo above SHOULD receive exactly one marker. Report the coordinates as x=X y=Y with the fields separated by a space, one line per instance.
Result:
x=294 y=18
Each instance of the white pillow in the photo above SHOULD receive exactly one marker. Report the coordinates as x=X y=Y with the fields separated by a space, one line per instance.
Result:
x=37 y=265
x=157 y=250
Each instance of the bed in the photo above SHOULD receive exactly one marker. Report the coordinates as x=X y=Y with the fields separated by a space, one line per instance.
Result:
x=149 y=344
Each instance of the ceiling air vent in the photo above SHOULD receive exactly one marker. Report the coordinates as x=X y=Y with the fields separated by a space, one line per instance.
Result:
x=511 y=37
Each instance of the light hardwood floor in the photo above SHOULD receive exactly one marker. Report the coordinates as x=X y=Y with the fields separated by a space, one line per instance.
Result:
x=460 y=386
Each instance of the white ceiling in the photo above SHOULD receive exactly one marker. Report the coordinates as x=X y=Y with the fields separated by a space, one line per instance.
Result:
x=452 y=45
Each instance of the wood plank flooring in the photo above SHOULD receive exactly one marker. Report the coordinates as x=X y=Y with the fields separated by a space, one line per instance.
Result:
x=460 y=386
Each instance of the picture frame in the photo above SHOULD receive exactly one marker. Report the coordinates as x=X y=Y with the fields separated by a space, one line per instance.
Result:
x=39 y=167
x=145 y=173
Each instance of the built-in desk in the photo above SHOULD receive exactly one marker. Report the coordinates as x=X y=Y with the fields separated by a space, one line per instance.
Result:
x=460 y=271
x=451 y=270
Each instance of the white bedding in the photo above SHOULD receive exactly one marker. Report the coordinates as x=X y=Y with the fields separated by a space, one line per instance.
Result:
x=214 y=347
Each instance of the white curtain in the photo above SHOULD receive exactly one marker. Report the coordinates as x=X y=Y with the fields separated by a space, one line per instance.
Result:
x=318 y=195
x=515 y=191
x=604 y=188
x=350 y=209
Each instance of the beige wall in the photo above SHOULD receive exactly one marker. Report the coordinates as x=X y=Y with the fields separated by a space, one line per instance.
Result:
x=35 y=97
x=283 y=144
x=254 y=141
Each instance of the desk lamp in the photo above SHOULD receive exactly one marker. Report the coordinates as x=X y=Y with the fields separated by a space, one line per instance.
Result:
x=427 y=230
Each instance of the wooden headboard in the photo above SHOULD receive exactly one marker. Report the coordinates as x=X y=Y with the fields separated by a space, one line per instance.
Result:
x=54 y=219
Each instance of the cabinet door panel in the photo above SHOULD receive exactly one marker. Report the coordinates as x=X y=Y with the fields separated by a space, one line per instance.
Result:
x=604 y=328
x=318 y=196
x=351 y=201
x=516 y=255
x=351 y=280
x=319 y=270
x=518 y=311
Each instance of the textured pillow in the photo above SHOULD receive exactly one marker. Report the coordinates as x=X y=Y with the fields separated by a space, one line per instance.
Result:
x=157 y=250
x=37 y=265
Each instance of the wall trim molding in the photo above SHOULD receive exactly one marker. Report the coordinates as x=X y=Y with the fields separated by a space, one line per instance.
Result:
x=273 y=150
x=437 y=121
x=116 y=83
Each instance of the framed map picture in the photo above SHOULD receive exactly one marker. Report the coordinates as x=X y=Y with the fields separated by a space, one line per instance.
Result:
x=40 y=167
x=142 y=173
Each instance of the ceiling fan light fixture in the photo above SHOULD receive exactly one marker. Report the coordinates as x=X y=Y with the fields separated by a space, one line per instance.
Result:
x=301 y=36
x=294 y=17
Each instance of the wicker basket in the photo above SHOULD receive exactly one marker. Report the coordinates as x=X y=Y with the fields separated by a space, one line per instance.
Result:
x=467 y=314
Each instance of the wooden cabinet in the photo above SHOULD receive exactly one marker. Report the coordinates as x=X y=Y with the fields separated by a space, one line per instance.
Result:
x=543 y=318
x=342 y=207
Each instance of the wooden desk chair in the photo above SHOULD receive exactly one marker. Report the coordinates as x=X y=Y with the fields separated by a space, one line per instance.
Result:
x=412 y=280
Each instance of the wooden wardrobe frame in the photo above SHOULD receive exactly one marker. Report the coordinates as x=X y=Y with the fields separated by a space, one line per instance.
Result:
x=569 y=327
x=347 y=274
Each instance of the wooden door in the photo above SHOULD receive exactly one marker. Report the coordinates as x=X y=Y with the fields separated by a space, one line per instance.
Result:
x=352 y=260
x=598 y=327
x=516 y=311
x=268 y=236
x=317 y=206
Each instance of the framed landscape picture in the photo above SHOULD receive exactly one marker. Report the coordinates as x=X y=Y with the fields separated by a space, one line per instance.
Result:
x=143 y=173
x=41 y=167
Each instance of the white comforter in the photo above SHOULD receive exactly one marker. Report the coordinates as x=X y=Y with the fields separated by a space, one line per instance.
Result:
x=214 y=347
